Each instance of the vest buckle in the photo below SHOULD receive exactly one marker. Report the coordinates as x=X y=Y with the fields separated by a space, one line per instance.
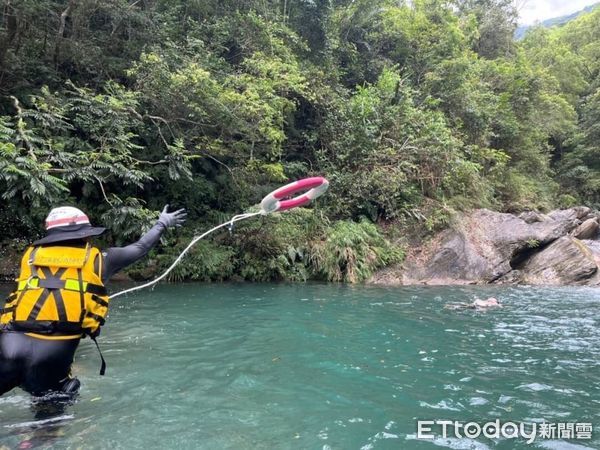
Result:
x=33 y=282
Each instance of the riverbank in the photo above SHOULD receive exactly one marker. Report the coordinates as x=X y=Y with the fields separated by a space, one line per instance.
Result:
x=488 y=247
x=478 y=247
x=299 y=245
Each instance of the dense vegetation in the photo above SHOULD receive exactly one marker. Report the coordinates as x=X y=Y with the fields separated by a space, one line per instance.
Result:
x=411 y=109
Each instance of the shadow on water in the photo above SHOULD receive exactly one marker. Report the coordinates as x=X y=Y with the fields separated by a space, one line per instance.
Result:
x=326 y=366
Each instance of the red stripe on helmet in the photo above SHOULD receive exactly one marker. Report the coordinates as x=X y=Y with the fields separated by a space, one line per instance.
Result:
x=67 y=221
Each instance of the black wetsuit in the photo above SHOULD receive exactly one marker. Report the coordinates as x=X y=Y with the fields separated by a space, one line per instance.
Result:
x=39 y=365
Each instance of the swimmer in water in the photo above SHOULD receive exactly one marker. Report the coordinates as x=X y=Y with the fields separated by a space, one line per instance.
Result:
x=477 y=304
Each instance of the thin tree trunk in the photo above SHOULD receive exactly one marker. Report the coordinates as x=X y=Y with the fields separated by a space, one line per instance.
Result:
x=61 y=29
x=10 y=20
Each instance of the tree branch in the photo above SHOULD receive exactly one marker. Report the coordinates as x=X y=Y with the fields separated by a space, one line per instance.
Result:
x=61 y=29
x=20 y=125
x=103 y=191
x=222 y=164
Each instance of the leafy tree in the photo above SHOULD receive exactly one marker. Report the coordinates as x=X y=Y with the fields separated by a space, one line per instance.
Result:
x=411 y=109
x=496 y=24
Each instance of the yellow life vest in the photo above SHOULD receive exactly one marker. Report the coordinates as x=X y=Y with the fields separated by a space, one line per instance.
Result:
x=59 y=295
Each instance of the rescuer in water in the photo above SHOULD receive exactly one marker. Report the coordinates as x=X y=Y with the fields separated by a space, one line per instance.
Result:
x=61 y=297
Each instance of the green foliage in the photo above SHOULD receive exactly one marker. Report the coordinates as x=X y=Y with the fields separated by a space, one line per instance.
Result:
x=548 y=50
x=278 y=247
x=570 y=54
x=352 y=251
x=385 y=153
x=567 y=201
x=128 y=218
x=294 y=246
x=206 y=261
x=48 y=151
x=496 y=22
x=22 y=173
x=521 y=192
x=412 y=110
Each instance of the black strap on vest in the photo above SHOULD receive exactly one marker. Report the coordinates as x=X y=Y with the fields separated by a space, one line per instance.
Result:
x=8 y=300
x=7 y=310
x=39 y=304
x=96 y=289
x=99 y=300
x=58 y=300
x=55 y=283
x=60 y=304
x=31 y=259
x=103 y=364
x=81 y=295
x=46 y=327
x=96 y=317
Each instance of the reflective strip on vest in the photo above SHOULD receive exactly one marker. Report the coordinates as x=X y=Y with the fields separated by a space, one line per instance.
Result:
x=38 y=283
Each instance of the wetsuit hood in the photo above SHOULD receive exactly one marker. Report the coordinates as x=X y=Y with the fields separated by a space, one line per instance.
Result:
x=70 y=233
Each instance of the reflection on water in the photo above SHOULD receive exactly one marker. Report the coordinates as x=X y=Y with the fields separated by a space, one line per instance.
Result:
x=328 y=367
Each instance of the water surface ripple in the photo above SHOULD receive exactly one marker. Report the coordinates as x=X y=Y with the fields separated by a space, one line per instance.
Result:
x=317 y=366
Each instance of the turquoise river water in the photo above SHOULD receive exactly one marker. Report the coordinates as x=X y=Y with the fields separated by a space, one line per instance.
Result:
x=315 y=366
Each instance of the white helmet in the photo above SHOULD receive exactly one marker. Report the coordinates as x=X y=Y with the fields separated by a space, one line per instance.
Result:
x=67 y=223
x=66 y=215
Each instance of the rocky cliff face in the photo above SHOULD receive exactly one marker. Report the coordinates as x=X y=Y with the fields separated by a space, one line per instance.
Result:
x=489 y=247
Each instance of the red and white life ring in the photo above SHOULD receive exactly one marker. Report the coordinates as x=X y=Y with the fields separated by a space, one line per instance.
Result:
x=273 y=202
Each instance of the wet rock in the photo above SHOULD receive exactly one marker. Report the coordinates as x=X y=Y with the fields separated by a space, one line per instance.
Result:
x=587 y=230
x=455 y=261
x=575 y=213
x=532 y=217
x=512 y=277
x=487 y=247
x=594 y=247
x=566 y=261
x=591 y=215
x=391 y=275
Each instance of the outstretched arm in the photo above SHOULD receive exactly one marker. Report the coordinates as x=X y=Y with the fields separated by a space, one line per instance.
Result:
x=117 y=258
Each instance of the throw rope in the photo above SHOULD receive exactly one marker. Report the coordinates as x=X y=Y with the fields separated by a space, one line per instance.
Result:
x=271 y=203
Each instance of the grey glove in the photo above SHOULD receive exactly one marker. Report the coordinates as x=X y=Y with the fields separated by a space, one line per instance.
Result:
x=172 y=219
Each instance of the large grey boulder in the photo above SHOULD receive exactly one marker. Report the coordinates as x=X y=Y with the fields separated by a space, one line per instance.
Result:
x=594 y=247
x=575 y=213
x=587 y=230
x=512 y=277
x=455 y=260
x=485 y=246
x=565 y=261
